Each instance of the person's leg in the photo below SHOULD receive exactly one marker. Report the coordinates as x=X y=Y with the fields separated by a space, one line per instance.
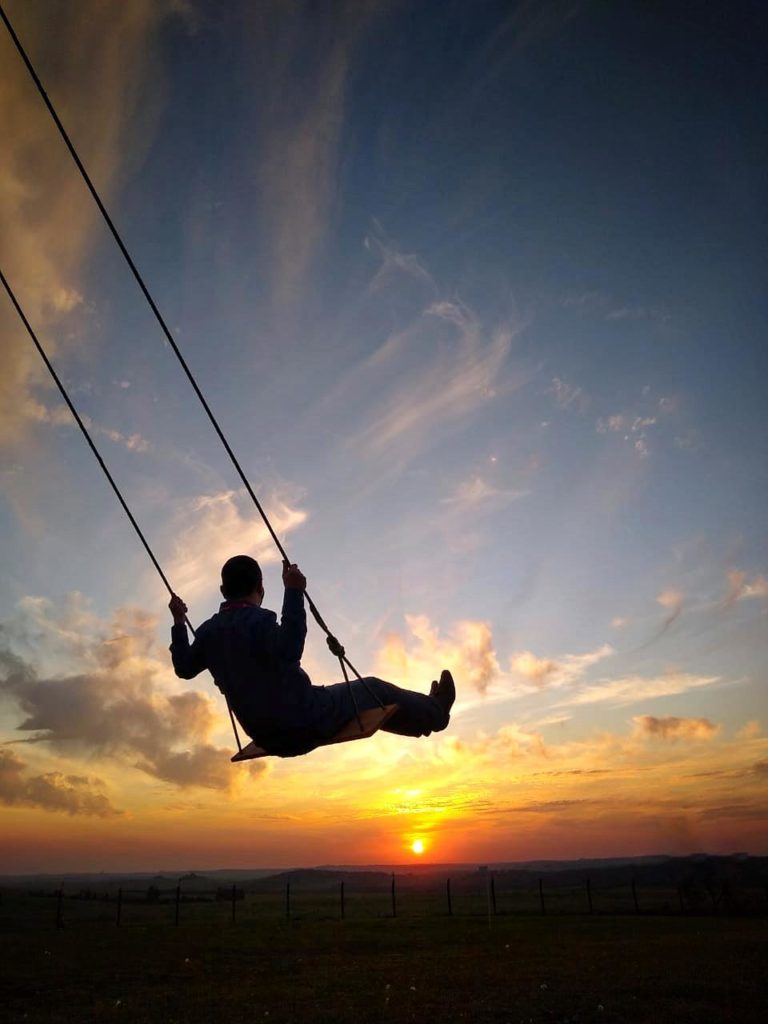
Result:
x=418 y=714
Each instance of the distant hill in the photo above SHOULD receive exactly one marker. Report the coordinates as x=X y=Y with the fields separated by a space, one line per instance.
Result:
x=660 y=869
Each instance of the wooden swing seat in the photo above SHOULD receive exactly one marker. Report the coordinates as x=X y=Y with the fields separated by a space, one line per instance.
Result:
x=370 y=722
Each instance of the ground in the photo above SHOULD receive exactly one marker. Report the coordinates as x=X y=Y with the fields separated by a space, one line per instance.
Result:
x=317 y=968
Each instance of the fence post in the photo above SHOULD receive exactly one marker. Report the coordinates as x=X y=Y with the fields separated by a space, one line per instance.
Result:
x=234 y=898
x=634 y=897
x=178 y=903
x=541 y=896
x=119 y=906
x=448 y=894
x=493 y=895
x=589 y=894
x=711 y=893
x=341 y=899
x=287 y=899
x=59 y=908
x=394 y=900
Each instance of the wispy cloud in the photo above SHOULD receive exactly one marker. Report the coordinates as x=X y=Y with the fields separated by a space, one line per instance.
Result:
x=477 y=492
x=631 y=689
x=299 y=119
x=458 y=373
x=639 y=313
x=60 y=416
x=48 y=218
x=395 y=263
x=672 y=600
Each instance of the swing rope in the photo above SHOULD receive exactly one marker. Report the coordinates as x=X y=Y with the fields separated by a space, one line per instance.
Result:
x=97 y=454
x=333 y=643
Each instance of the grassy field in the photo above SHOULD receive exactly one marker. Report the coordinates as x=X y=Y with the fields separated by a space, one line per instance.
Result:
x=372 y=968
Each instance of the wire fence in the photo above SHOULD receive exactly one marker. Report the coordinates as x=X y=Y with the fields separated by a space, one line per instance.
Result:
x=473 y=896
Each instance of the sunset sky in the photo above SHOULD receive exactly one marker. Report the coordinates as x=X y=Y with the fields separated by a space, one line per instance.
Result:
x=476 y=290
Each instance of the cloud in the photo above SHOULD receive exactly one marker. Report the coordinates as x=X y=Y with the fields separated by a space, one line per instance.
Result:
x=60 y=416
x=549 y=806
x=613 y=424
x=115 y=706
x=415 y=661
x=477 y=492
x=458 y=372
x=537 y=670
x=299 y=119
x=72 y=794
x=740 y=588
x=673 y=600
x=556 y=672
x=672 y=728
x=215 y=528
x=630 y=689
x=48 y=217
x=513 y=740
x=568 y=396
x=636 y=425
x=639 y=313
x=395 y=263
x=750 y=730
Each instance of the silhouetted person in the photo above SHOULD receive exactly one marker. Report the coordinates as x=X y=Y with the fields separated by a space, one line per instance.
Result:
x=256 y=662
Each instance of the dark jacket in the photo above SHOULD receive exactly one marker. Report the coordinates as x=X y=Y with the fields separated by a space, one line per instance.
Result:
x=255 y=662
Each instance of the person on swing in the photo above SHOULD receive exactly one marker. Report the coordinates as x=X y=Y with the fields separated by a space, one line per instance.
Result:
x=256 y=662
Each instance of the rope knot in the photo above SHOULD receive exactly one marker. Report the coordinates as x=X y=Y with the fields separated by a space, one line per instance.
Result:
x=334 y=646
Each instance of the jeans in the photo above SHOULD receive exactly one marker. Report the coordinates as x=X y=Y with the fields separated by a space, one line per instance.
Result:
x=418 y=714
x=333 y=707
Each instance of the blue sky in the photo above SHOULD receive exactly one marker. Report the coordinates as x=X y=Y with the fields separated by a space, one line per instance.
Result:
x=475 y=291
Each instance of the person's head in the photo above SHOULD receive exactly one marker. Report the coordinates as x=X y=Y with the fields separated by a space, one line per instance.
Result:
x=241 y=579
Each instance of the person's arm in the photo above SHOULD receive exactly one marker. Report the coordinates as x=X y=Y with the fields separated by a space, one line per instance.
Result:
x=187 y=659
x=286 y=640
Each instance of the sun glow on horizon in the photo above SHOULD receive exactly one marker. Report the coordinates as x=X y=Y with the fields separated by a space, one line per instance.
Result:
x=417 y=847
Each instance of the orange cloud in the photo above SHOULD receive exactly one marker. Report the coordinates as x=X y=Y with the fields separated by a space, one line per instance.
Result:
x=740 y=588
x=538 y=670
x=52 y=791
x=560 y=672
x=673 y=728
x=671 y=599
x=750 y=730
x=467 y=651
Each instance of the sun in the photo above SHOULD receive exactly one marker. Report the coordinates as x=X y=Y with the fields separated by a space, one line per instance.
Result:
x=417 y=846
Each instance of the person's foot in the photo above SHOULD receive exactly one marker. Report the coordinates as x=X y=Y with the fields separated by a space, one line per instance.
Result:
x=445 y=693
